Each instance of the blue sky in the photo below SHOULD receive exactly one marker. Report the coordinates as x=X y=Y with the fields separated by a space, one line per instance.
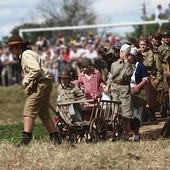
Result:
x=16 y=12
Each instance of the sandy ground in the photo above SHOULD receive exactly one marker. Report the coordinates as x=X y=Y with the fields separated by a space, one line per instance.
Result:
x=152 y=130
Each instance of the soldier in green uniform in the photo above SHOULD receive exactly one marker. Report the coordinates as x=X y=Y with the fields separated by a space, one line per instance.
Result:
x=152 y=62
x=164 y=52
x=119 y=85
x=157 y=74
x=162 y=86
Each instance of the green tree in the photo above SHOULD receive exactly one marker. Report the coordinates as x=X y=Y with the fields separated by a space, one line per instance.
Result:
x=60 y=13
x=30 y=37
x=68 y=13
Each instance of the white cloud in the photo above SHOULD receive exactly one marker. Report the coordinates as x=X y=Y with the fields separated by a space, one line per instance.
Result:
x=119 y=11
x=6 y=29
x=114 y=5
x=15 y=12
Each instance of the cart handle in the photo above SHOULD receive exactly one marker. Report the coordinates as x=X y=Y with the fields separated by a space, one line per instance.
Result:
x=78 y=101
x=111 y=101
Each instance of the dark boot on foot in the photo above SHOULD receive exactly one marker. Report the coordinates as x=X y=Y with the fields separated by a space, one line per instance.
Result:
x=26 y=138
x=54 y=137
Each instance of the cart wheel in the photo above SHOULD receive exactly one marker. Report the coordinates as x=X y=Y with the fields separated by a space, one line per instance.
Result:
x=72 y=138
x=75 y=134
x=98 y=130
x=80 y=137
x=83 y=137
x=117 y=128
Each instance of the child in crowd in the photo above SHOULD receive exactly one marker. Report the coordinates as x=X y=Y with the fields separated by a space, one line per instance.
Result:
x=68 y=92
x=90 y=80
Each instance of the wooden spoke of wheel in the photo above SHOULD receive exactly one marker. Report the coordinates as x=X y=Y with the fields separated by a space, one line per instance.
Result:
x=83 y=136
x=117 y=127
x=98 y=129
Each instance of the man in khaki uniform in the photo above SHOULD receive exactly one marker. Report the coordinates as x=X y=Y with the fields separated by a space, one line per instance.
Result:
x=121 y=72
x=157 y=70
x=38 y=85
x=164 y=51
x=152 y=62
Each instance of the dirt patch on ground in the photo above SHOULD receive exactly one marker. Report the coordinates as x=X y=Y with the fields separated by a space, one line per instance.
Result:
x=152 y=130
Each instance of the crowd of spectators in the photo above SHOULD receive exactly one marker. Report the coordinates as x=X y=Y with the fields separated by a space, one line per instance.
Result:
x=56 y=55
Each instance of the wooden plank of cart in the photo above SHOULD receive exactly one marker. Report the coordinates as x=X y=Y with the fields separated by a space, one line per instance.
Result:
x=110 y=111
x=85 y=130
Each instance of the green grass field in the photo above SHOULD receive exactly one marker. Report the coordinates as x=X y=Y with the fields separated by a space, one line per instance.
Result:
x=41 y=155
x=12 y=100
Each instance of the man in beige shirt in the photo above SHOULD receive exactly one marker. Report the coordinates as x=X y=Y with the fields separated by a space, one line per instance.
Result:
x=38 y=85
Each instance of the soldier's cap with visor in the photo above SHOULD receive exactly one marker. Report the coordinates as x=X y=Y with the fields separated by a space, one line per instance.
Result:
x=125 y=49
x=117 y=46
x=166 y=34
x=14 y=40
x=85 y=62
x=157 y=36
x=64 y=74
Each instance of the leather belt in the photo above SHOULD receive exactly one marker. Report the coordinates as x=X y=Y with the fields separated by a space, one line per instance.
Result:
x=118 y=82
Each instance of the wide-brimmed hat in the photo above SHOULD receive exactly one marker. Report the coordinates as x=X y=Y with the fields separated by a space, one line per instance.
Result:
x=15 y=39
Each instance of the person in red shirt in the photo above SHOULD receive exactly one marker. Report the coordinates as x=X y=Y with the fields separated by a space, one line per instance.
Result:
x=90 y=80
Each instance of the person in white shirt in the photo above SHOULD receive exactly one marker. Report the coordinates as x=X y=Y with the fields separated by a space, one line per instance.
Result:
x=167 y=12
x=138 y=82
x=158 y=16
x=7 y=61
x=91 y=53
